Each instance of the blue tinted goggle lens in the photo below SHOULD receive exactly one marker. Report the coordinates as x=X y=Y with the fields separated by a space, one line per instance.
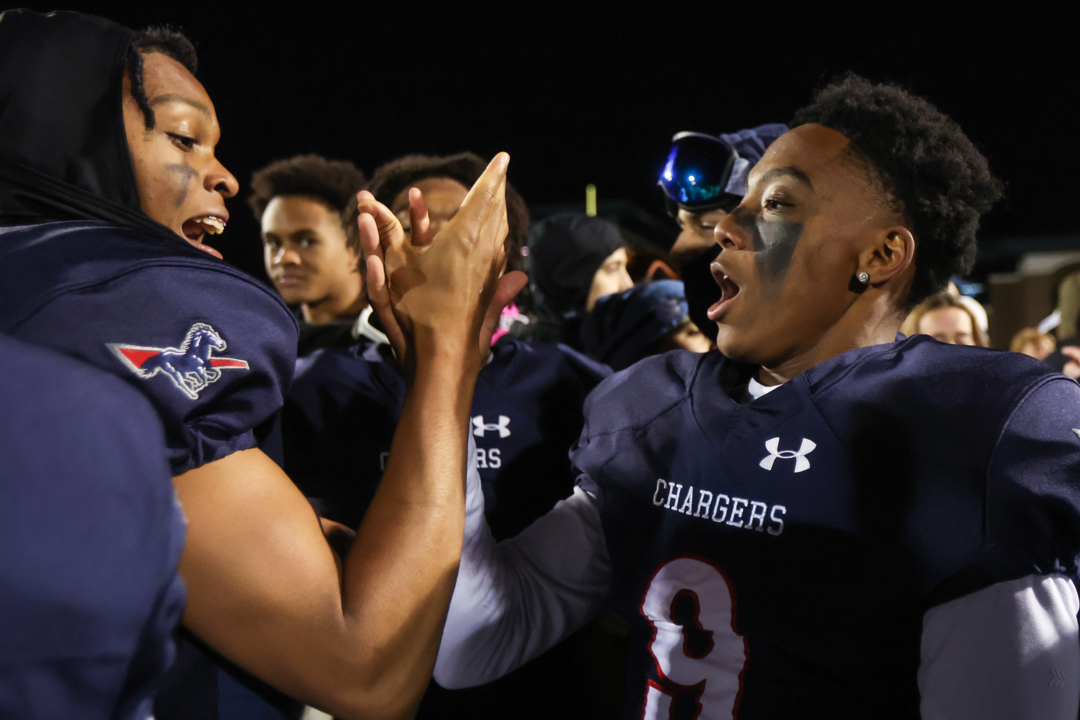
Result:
x=697 y=170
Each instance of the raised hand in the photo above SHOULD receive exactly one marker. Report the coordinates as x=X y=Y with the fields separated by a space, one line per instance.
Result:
x=440 y=295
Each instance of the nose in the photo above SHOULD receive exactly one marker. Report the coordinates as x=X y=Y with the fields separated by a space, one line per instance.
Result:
x=220 y=180
x=625 y=281
x=285 y=256
x=728 y=233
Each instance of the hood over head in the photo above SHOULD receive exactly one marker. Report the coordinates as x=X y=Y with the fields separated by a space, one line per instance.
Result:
x=63 y=148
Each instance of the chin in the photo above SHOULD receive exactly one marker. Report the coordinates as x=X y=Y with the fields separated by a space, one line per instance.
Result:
x=289 y=296
x=736 y=344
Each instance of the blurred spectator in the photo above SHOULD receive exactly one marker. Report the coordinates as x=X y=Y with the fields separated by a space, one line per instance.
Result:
x=947 y=318
x=646 y=320
x=1068 y=306
x=703 y=179
x=302 y=204
x=1030 y=341
x=576 y=260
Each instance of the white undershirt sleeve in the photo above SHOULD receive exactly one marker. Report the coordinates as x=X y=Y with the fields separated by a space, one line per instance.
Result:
x=1006 y=652
x=515 y=599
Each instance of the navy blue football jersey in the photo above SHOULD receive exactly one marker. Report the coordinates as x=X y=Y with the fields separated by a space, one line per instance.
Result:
x=338 y=424
x=339 y=418
x=91 y=535
x=775 y=558
x=212 y=349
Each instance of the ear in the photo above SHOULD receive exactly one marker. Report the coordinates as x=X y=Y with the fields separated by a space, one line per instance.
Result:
x=892 y=253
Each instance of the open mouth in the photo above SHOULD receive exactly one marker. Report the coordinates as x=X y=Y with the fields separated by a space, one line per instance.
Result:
x=728 y=288
x=199 y=227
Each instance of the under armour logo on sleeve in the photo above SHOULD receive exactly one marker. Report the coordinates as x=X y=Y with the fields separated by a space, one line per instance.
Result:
x=503 y=426
x=799 y=456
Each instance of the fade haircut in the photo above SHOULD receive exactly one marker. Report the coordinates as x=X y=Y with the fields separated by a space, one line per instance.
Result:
x=401 y=174
x=157 y=39
x=332 y=182
x=934 y=175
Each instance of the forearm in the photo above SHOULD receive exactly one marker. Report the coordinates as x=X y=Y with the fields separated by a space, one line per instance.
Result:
x=400 y=574
x=1007 y=651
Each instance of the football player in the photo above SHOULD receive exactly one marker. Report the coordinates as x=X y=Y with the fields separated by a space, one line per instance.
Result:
x=92 y=536
x=109 y=187
x=820 y=520
x=302 y=204
x=342 y=410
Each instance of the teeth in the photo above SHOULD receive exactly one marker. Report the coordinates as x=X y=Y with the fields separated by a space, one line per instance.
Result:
x=213 y=225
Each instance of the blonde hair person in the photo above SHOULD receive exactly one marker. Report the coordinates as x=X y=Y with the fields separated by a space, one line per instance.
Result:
x=1030 y=341
x=947 y=318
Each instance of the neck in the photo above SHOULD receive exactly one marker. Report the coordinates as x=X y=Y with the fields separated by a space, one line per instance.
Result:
x=855 y=330
x=331 y=310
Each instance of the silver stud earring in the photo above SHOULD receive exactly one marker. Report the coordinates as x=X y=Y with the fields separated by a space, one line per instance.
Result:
x=864 y=277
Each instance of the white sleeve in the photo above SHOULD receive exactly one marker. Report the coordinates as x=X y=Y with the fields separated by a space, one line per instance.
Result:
x=515 y=599
x=1005 y=652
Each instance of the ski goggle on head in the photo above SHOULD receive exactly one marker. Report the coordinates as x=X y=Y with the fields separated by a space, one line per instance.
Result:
x=702 y=173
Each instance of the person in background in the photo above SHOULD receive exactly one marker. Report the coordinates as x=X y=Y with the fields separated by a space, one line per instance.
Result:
x=648 y=319
x=574 y=261
x=703 y=178
x=1033 y=343
x=945 y=317
x=303 y=204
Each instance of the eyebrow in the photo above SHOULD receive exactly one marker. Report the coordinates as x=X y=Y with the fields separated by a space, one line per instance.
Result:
x=176 y=97
x=786 y=171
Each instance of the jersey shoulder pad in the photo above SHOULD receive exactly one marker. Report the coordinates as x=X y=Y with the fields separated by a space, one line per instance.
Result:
x=635 y=396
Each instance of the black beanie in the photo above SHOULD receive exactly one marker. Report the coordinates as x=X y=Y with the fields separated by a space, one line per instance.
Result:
x=565 y=251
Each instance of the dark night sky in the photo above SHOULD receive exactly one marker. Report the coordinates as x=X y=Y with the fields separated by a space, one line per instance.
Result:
x=581 y=94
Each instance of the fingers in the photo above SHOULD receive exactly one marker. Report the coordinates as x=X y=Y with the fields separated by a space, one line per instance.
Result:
x=379 y=297
x=387 y=226
x=420 y=219
x=509 y=285
x=486 y=198
x=1072 y=367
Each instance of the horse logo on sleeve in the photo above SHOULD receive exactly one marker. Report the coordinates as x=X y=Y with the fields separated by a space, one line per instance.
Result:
x=191 y=367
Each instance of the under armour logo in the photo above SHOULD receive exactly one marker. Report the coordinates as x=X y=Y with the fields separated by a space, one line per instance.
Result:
x=1057 y=678
x=801 y=463
x=479 y=428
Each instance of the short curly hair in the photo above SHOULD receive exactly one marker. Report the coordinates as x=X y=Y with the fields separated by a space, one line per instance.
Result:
x=398 y=175
x=936 y=177
x=333 y=182
x=156 y=39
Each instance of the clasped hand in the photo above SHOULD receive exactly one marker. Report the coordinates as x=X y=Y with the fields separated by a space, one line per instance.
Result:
x=439 y=296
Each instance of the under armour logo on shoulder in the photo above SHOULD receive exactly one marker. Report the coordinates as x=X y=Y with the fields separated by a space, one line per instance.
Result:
x=801 y=463
x=1057 y=678
x=503 y=426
